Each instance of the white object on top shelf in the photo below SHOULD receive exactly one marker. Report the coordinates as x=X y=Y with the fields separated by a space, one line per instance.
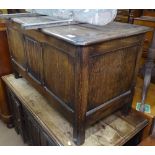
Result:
x=91 y=16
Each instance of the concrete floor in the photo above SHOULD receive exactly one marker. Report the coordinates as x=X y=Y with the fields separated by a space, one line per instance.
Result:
x=8 y=137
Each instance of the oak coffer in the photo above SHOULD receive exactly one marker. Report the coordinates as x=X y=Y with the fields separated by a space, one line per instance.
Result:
x=86 y=72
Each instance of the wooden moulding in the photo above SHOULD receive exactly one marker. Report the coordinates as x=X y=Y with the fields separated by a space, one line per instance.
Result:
x=115 y=129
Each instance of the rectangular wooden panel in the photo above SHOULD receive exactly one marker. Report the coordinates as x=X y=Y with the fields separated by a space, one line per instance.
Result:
x=59 y=73
x=34 y=59
x=114 y=72
x=16 y=45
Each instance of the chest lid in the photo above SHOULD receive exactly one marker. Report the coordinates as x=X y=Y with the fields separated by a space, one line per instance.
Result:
x=79 y=33
x=85 y=34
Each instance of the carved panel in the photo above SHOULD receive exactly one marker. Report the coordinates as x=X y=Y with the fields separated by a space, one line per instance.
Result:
x=34 y=59
x=111 y=75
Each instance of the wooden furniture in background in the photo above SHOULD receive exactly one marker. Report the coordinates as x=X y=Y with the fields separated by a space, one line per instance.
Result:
x=127 y=15
x=149 y=100
x=5 y=68
x=86 y=72
x=40 y=124
x=150 y=140
x=149 y=12
x=148 y=69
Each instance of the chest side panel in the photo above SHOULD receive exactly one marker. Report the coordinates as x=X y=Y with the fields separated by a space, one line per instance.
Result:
x=111 y=73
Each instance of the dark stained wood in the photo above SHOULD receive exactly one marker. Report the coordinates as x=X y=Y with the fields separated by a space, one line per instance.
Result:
x=56 y=78
x=34 y=68
x=5 y=68
x=81 y=69
x=81 y=95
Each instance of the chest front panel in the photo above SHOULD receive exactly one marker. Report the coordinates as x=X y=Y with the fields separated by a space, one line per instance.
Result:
x=34 y=59
x=59 y=73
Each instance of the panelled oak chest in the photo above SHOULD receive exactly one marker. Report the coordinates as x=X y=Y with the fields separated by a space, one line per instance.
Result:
x=86 y=72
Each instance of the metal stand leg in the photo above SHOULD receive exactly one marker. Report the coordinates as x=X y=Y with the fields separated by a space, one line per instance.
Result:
x=149 y=67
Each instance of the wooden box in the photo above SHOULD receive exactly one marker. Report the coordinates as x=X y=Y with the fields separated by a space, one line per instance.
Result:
x=5 y=68
x=86 y=72
x=40 y=124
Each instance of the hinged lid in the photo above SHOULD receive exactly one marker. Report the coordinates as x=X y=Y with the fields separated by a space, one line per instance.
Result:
x=78 y=33
x=84 y=34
